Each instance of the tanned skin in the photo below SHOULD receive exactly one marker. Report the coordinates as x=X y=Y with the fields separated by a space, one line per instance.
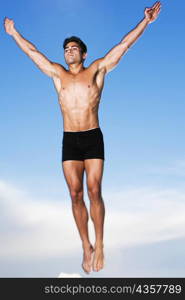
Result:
x=79 y=91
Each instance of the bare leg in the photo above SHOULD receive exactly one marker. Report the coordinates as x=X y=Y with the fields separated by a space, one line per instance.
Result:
x=97 y=211
x=94 y=169
x=74 y=171
x=81 y=218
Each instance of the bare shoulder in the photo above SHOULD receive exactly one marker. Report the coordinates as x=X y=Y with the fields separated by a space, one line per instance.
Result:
x=97 y=65
x=59 y=69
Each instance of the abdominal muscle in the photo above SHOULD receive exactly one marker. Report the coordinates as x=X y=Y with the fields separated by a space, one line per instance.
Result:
x=80 y=122
x=79 y=113
x=79 y=98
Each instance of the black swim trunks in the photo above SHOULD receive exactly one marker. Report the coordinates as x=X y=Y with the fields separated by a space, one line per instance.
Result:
x=81 y=145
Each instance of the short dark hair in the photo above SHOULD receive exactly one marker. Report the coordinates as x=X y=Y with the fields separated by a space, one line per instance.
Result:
x=76 y=39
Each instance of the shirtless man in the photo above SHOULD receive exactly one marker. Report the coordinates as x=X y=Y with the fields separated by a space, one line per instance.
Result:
x=79 y=90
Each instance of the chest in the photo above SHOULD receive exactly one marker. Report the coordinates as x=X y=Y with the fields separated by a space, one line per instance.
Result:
x=80 y=85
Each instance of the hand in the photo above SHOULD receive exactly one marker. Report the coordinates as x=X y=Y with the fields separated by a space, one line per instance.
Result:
x=152 y=13
x=9 y=26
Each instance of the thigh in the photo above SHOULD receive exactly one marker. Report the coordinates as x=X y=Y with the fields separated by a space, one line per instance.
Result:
x=94 y=171
x=73 y=173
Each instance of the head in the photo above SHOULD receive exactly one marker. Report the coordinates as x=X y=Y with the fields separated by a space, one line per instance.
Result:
x=75 y=51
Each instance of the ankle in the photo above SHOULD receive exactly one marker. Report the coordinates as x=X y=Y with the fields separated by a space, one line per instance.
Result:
x=86 y=245
x=99 y=245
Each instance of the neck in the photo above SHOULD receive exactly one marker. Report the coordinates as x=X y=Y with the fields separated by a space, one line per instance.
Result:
x=76 y=68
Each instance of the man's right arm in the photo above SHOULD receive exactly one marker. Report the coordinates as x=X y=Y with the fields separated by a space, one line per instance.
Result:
x=43 y=63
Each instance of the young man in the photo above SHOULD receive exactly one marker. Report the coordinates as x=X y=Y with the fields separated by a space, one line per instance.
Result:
x=79 y=90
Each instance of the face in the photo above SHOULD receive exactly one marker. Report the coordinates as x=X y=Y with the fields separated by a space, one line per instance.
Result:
x=73 y=53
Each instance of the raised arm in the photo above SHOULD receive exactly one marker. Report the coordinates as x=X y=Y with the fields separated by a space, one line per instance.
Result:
x=45 y=65
x=111 y=59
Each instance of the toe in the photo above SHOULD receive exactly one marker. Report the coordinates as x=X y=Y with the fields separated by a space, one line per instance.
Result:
x=101 y=266
x=85 y=269
x=95 y=266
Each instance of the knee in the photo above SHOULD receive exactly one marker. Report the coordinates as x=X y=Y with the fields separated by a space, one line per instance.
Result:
x=94 y=191
x=76 y=195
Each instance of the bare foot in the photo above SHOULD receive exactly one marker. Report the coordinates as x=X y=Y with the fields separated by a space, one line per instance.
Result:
x=87 y=258
x=98 y=261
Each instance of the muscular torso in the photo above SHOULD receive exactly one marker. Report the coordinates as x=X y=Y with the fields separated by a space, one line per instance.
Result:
x=79 y=97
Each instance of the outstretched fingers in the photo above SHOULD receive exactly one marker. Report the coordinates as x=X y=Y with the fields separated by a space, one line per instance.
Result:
x=157 y=10
x=156 y=5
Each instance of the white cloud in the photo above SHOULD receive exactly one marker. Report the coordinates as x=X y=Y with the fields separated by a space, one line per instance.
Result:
x=65 y=275
x=37 y=228
x=146 y=215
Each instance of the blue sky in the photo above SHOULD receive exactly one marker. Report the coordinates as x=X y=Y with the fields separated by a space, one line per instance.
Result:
x=141 y=116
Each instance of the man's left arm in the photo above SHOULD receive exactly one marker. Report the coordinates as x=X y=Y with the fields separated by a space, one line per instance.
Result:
x=111 y=59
